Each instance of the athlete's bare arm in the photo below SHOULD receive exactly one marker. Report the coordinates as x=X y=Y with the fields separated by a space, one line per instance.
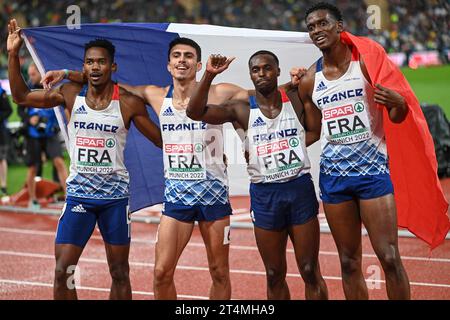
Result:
x=200 y=106
x=394 y=102
x=222 y=92
x=133 y=110
x=19 y=89
x=199 y=109
x=313 y=116
x=152 y=95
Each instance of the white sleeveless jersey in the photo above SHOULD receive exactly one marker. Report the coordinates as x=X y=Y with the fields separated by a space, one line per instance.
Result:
x=193 y=151
x=352 y=138
x=96 y=144
x=276 y=147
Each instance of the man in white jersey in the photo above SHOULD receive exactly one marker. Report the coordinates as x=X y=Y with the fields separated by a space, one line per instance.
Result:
x=196 y=184
x=97 y=188
x=283 y=199
x=354 y=176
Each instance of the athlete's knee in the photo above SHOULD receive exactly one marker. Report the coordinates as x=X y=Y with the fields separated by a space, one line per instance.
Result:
x=62 y=274
x=120 y=272
x=390 y=259
x=350 y=265
x=275 y=277
x=309 y=272
x=163 y=276
x=220 y=274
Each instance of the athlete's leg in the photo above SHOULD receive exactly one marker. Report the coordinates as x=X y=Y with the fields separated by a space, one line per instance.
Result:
x=115 y=226
x=217 y=249
x=306 y=241
x=272 y=248
x=120 y=271
x=173 y=235
x=379 y=216
x=345 y=225
x=75 y=227
x=67 y=256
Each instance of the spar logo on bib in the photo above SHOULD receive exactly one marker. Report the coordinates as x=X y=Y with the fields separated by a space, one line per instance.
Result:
x=110 y=143
x=359 y=107
x=199 y=147
x=293 y=142
x=346 y=124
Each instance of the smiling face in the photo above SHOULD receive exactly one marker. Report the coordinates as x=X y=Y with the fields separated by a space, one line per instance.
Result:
x=183 y=62
x=324 y=30
x=264 y=72
x=98 y=66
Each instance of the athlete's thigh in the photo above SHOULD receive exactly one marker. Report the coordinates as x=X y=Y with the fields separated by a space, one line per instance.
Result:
x=114 y=221
x=379 y=216
x=173 y=236
x=345 y=224
x=117 y=255
x=76 y=223
x=216 y=235
x=67 y=255
x=306 y=240
x=272 y=247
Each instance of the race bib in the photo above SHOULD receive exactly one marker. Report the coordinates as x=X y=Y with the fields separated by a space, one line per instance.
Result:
x=346 y=124
x=280 y=159
x=185 y=161
x=95 y=155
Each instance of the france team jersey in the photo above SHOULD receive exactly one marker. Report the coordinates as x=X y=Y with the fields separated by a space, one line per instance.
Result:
x=276 y=147
x=96 y=144
x=194 y=168
x=352 y=138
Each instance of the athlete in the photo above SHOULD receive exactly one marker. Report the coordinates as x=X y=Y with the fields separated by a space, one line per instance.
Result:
x=354 y=175
x=283 y=200
x=97 y=188
x=196 y=183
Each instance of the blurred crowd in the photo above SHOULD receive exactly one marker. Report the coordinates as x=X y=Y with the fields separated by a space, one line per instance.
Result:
x=407 y=25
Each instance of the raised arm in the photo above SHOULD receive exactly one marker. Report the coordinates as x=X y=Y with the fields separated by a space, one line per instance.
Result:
x=313 y=116
x=198 y=109
x=20 y=92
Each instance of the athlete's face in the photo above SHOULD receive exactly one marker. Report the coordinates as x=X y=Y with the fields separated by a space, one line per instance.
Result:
x=264 y=72
x=324 y=30
x=183 y=63
x=98 y=66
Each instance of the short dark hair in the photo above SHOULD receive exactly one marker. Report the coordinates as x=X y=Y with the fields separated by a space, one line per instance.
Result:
x=101 y=43
x=333 y=10
x=188 y=42
x=261 y=52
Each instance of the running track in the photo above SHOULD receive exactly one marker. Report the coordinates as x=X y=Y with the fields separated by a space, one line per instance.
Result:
x=27 y=263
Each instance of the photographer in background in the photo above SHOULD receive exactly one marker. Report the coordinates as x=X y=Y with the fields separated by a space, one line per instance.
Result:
x=5 y=112
x=41 y=135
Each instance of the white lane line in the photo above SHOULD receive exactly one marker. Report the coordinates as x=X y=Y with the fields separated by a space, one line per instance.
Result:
x=201 y=244
x=193 y=268
x=50 y=285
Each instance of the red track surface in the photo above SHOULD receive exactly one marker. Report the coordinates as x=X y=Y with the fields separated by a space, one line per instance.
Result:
x=27 y=262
